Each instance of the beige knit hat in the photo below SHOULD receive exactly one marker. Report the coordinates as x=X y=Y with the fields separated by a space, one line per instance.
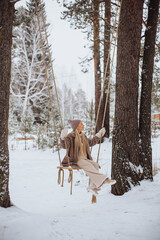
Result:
x=74 y=123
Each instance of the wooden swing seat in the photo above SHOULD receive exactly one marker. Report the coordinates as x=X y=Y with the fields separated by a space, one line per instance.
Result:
x=70 y=177
x=69 y=167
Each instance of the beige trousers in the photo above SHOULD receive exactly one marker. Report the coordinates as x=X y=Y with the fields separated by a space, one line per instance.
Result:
x=91 y=168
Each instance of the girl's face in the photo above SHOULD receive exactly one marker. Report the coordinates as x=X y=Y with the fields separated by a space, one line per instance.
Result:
x=80 y=127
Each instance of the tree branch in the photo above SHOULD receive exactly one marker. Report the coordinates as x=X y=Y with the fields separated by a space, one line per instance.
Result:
x=14 y=1
x=115 y=4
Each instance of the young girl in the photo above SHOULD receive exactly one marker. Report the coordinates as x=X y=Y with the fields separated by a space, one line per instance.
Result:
x=78 y=153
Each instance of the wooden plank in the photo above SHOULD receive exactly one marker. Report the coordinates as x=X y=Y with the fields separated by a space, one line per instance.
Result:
x=69 y=168
x=25 y=138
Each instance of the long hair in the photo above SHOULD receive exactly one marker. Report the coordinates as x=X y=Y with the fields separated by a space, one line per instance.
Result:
x=79 y=144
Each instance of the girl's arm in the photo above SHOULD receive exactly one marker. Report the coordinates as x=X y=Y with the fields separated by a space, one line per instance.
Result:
x=97 y=137
x=65 y=143
x=93 y=141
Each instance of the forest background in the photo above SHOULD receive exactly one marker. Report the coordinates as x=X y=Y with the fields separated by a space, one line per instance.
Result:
x=30 y=111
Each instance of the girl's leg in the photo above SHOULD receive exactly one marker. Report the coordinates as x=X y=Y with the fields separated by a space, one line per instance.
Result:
x=92 y=170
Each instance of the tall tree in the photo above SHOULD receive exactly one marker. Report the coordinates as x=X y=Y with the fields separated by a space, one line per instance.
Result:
x=107 y=28
x=6 y=22
x=146 y=90
x=97 y=67
x=125 y=151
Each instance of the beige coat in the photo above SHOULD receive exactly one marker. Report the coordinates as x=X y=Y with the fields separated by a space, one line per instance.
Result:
x=68 y=144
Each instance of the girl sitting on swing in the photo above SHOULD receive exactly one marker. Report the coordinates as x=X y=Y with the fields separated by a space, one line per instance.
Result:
x=78 y=153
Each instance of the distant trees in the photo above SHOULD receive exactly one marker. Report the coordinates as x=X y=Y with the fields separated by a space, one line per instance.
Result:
x=93 y=17
x=28 y=53
x=32 y=113
x=74 y=105
x=28 y=84
x=156 y=90
x=28 y=78
x=6 y=23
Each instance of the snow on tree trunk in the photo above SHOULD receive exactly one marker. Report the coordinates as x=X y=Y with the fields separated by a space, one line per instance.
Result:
x=145 y=105
x=125 y=154
x=6 y=21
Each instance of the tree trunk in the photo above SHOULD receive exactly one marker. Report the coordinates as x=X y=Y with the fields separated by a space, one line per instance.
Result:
x=97 y=70
x=106 y=52
x=125 y=154
x=146 y=90
x=6 y=21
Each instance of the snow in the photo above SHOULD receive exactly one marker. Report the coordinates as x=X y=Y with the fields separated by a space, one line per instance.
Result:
x=45 y=211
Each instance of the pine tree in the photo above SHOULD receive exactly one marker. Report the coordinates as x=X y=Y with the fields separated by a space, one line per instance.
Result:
x=97 y=67
x=6 y=23
x=145 y=105
x=125 y=148
x=107 y=28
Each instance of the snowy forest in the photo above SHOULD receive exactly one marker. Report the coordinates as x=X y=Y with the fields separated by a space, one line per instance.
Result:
x=30 y=110
x=121 y=122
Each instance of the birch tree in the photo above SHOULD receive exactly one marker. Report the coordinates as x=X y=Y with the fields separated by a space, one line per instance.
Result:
x=28 y=81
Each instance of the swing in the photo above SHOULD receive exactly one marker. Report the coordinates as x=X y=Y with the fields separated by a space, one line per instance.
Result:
x=70 y=168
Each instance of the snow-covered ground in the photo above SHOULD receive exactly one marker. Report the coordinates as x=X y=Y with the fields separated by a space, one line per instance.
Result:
x=45 y=211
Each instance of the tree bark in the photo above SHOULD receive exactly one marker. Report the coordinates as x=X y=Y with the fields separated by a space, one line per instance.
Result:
x=146 y=90
x=106 y=52
x=6 y=22
x=125 y=148
x=97 y=69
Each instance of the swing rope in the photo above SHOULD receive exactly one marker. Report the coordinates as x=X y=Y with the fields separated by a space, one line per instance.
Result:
x=109 y=79
x=61 y=168
x=106 y=68
x=105 y=74
x=51 y=64
x=44 y=62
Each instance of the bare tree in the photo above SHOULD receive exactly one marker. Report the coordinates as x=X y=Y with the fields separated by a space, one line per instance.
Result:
x=6 y=23
x=28 y=78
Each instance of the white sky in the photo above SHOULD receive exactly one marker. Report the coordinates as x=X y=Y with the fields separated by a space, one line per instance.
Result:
x=67 y=48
